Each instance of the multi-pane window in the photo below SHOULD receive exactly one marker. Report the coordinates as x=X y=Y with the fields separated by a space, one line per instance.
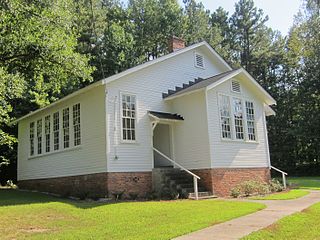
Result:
x=225 y=116
x=65 y=126
x=39 y=135
x=250 y=121
x=31 y=138
x=56 y=131
x=76 y=124
x=47 y=132
x=128 y=120
x=238 y=118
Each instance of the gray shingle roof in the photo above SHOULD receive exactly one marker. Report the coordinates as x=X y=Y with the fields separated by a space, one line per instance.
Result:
x=197 y=84
x=164 y=115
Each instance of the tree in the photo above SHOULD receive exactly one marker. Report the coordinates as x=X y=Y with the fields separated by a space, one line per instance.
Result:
x=247 y=25
x=38 y=61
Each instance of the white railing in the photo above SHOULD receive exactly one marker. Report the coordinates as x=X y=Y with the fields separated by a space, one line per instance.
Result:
x=284 y=174
x=195 y=177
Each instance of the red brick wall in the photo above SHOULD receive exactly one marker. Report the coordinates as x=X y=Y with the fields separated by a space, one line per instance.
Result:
x=74 y=185
x=221 y=180
x=130 y=182
x=100 y=184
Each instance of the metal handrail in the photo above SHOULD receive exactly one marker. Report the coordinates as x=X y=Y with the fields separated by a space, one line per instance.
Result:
x=284 y=174
x=195 y=177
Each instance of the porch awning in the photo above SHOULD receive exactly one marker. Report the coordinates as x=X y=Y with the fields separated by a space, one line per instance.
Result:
x=166 y=116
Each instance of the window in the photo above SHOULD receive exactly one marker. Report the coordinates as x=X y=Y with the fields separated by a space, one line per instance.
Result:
x=235 y=86
x=238 y=118
x=199 y=60
x=250 y=121
x=128 y=111
x=47 y=132
x=39 y=135
x=56 y=131
x=32 y=139
x=65 y=125
x=225 y=116
x=76 y=124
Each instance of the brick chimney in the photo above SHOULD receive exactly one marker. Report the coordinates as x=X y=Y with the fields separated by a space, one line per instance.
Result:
x=176 y=44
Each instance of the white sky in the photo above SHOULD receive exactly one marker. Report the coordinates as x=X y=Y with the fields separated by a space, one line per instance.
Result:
x=281 y=12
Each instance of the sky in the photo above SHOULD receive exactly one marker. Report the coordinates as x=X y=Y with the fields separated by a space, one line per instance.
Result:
x=281 y=12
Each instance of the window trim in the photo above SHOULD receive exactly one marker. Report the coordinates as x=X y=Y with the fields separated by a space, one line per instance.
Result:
x=195 y=60
x=33 y=138
x=80 y=125
x=254 y=121
x=231 y=123
x=121 y=116
x=245 y=130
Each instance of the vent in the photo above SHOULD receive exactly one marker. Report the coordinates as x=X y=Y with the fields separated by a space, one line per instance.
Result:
x=235 y=86
x=199 y=60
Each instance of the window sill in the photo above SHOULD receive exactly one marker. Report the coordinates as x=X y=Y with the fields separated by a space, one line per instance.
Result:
x=238 y=141
x=129 y=142
x=55 y=152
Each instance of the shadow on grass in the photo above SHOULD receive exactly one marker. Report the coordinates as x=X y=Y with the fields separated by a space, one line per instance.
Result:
x=10 y=197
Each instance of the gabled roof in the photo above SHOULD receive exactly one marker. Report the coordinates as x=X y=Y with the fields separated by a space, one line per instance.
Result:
x=166 y=116
x=198 y=84
x=132 y=70
x=211 y=82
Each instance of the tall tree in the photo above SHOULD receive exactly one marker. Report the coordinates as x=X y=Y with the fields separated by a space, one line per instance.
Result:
x=247 y=25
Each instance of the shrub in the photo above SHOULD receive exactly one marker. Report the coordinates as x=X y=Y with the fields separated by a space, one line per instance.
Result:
x=118 y=195
x=133 y=196
x=248 y=188
x=275 y=185
x=10 y=184
x=82 y=195
x=151 y=195
x=235 y=192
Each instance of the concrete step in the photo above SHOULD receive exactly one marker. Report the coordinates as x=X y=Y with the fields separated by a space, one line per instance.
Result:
x=202 y=195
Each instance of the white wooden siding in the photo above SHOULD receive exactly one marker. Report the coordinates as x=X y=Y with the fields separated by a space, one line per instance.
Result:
x=148 y=85
x=230 y=153
x=87 y=158
x=191 y=139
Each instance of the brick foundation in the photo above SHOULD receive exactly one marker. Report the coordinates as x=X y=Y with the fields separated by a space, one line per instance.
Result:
x=98 y=184
x=130 y=182
x=222 y=180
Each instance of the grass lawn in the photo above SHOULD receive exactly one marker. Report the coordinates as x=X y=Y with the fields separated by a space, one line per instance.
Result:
x=306 y=182
x=304 y=225
x=291 y=194
x=26 y=215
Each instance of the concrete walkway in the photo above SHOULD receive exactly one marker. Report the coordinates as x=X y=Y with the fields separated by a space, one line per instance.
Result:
x=242 y=226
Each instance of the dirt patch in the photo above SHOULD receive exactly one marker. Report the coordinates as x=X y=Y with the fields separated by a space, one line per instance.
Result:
x=34 y=230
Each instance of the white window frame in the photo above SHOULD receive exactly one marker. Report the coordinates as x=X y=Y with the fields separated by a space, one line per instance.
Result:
x=47 y=131
x=57 y=131
x=66 y=128
x=121 y=117
x=74 y=126
x=254 y=121
x=244 y=119
x=32 y=139
x=234 y=120
x=195 y=60
x=220 y=117
x=39 y=135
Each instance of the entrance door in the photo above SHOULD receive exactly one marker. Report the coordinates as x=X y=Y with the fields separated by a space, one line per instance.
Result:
x=162 y=142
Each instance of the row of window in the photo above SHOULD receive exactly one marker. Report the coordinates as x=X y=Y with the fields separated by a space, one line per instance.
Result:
x=234 y=120
x=54 y=132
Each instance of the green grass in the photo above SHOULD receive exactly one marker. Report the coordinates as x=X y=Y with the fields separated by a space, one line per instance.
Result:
x=292 y=194
x=26 y=215
x=304 y=225
x=305 y=182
